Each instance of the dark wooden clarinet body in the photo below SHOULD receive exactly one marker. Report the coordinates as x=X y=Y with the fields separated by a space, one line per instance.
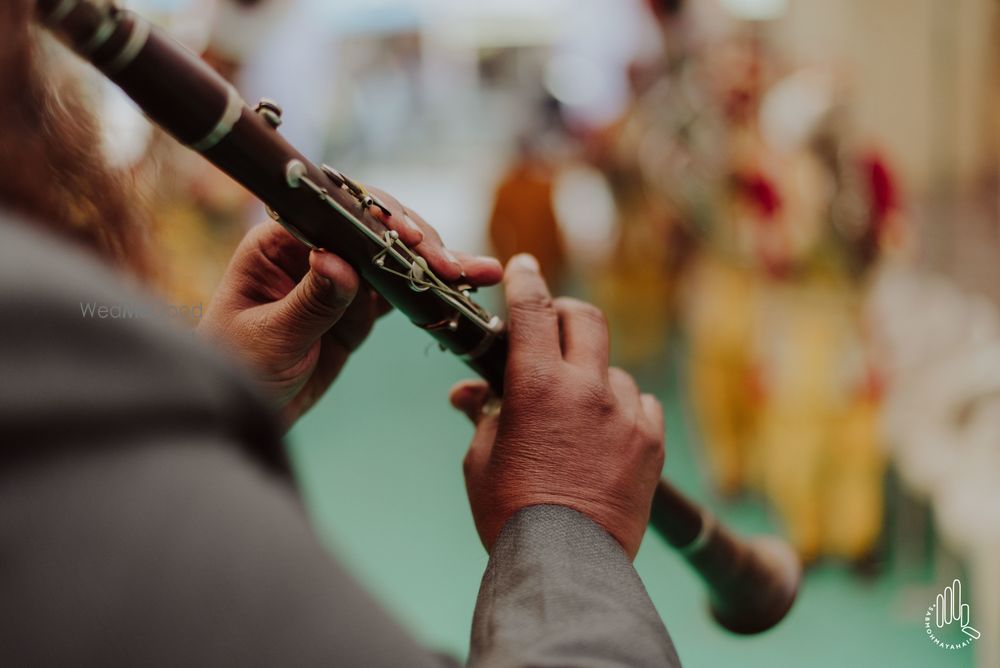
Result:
x=752 y=583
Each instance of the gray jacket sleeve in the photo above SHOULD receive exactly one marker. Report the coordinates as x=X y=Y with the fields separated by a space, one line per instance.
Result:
x=560 y=591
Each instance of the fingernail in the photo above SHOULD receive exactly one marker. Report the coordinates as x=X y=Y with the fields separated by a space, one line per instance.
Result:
x=526 y=261
x=490 y=259
x=322 y=280
x=452 y=258
x=413 y=227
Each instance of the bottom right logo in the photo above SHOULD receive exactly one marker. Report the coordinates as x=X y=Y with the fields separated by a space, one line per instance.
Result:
x=947 y=622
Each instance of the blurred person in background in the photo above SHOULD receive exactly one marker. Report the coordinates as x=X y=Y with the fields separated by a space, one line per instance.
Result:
x=148 y=515
x=759 y=166
x=523 y=219
x=200 y=214
x=638 y=287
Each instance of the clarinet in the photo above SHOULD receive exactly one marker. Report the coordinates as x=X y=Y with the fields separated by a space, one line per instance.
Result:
x=752 y=583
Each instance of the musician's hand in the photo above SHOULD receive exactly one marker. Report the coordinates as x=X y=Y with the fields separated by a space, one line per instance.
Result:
x=572 y=432
x=424 y=239
x=295 y=316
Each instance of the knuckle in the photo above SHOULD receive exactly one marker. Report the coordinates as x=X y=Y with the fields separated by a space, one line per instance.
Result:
x=622 y=380
x=387 y=199
x=530 y=379
x=269 y=238
x=658 y=450
x=590 y=312
x=259 y=234
x=532 y=304
x=316 y=306
x=617 y=373
x=597 y=398
x=337 y=294
x=654 y=406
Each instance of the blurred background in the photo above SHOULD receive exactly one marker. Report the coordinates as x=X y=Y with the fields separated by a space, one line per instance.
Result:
x=790 y=210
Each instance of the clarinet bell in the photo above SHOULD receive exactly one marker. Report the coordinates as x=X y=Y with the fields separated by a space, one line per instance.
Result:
x=752 y=583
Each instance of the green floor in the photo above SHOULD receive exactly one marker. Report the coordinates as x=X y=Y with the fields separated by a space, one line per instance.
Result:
x=380 y=464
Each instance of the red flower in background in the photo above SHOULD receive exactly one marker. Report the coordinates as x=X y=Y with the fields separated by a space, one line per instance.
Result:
x=882 y=189
x=760 y=192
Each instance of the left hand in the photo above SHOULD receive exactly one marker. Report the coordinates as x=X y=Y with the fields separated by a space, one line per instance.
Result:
x=295 y=316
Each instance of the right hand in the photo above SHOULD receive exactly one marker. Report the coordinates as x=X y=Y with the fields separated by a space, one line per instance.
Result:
x=571 y=432
x=295 y=316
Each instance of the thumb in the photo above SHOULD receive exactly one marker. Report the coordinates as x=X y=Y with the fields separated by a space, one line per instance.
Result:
x=470 y=397
x=474 y=398
x=318 y=301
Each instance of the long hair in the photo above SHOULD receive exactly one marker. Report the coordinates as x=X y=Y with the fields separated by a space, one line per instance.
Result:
x=51 y=166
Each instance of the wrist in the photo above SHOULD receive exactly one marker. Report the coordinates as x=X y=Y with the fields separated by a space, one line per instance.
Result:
x=545 y=523
x=625 y=525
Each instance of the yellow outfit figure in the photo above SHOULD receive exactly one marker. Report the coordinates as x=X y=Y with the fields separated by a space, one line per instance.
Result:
x=199 y=222
x=719 y=319
x=638 y=285
x=778 y=369
x=818 y=458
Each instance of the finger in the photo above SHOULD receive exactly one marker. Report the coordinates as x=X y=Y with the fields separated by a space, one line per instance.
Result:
x=653 y=411
x=280 y=247
x=442 y=261
x=266 y=266
x=418 y=235
x=533 y=330
x=409 y=232
x=624 y=387
x=480 y=450
x=584 y=331
x=338 y=344
x=330 y=363
x=356 y=324
x=470 y=397
x=939 y=611
x=318 y=301
x=431 y=235
x=478 y=270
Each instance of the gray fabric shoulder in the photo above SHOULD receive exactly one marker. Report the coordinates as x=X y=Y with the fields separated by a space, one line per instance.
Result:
x=176 y=553
x=134 y=531
x=70 y=373
x=560 y=591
